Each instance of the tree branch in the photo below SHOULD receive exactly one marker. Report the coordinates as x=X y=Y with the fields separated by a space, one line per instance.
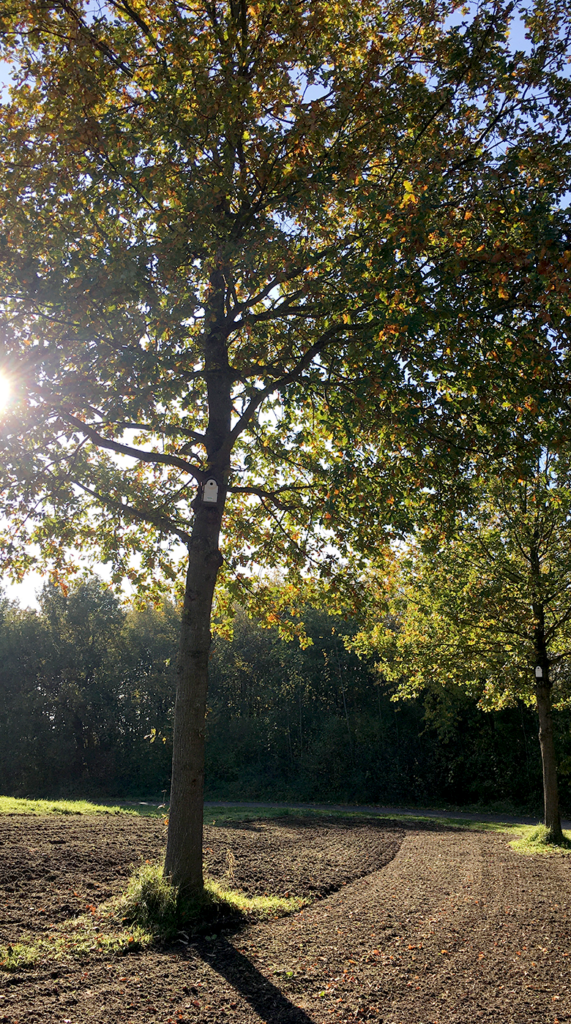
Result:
x=134 y=453
x=97 y=43
x=290 y=377
x=153 y=518
x=168 y=430
x=259 y=492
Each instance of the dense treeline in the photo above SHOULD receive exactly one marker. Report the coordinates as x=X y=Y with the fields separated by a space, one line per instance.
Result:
x=87 y=694
x=83 y=682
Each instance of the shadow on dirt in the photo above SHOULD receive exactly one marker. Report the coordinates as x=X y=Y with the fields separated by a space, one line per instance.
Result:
x=265 y=998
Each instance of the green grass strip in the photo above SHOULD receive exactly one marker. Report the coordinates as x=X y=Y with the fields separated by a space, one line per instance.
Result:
x=16 y=805
x=258 y=906
x=220 y=815
x=533 y=841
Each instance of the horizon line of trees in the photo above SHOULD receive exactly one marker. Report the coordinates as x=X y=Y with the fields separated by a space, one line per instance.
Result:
x=87 y=691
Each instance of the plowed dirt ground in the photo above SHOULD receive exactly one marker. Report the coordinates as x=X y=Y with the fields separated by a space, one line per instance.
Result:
x=409 y=925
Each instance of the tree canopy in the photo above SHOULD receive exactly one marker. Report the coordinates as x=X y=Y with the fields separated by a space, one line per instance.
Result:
x=360 y=204
x=489 y=609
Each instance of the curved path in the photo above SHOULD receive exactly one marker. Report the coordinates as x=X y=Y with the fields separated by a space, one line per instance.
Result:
x=456 y=928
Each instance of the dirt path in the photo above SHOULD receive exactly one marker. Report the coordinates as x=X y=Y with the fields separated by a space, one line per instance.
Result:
x=454 y=928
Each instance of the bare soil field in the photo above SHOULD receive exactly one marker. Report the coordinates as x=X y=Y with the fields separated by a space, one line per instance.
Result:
x=408 y=925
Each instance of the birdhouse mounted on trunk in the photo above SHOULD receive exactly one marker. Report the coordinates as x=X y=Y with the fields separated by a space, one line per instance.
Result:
x=210 y=492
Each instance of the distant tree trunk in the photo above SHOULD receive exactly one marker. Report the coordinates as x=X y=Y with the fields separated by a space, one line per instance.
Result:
x=290 y=747
x=300 y=728
x=79 y=738
x=340 y=671
x=551 y=816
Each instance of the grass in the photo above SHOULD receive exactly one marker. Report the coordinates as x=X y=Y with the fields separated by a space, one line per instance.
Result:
x=17 y=805
x=255 y=906
x=535 y=840
x=153 y=904
x=150 y=910
x=221 y=815
x=101 y=931
x=528 y=839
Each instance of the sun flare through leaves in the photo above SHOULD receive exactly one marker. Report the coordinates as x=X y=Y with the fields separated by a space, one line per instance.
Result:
x=5 y=392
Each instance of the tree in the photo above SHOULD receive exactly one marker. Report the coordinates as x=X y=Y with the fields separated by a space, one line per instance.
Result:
x=87 y=694
x=283 y=721
x=24 y=750
x=489 y=609
x=221 y=221
x=59 y=689
x=83 y=630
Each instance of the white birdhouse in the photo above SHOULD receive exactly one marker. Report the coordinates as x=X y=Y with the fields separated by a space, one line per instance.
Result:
x=210 y=492
x=538 y=672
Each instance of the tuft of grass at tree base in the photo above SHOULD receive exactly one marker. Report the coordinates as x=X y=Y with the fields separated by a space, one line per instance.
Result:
x=534 y=840
x=153 y=904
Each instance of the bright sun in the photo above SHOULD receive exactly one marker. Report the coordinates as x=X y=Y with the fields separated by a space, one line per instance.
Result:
x=4 y=391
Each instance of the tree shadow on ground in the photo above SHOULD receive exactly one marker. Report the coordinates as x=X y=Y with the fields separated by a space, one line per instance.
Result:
x=326 y=823
x=239 y=972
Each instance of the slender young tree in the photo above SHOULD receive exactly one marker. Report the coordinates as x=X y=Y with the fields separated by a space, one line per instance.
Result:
x=489 y=609
x=221 y=220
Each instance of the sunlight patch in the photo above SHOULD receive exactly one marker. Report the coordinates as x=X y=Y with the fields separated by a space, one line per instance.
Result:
x=5 y=391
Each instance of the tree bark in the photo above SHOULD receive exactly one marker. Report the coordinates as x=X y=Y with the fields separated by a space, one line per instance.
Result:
x=183 y=862
x=552 y=818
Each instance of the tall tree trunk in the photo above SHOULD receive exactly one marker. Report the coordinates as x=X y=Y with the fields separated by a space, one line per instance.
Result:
x=183 y=862
x=79 y=738
x=552 y=818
